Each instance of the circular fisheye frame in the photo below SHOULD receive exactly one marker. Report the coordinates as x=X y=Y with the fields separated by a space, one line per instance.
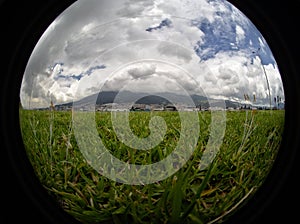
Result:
x=163 y=111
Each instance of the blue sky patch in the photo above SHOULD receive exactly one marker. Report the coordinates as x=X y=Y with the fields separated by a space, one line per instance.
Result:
x=221 y=36
x=78 y=77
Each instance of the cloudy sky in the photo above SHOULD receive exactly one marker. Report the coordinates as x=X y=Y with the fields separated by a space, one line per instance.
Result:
x=199 y=46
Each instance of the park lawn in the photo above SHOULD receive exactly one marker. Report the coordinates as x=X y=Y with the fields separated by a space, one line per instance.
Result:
x=191 y=195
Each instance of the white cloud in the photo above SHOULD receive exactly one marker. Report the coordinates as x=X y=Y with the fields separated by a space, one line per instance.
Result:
x=275 y=80
x=143 y=71
x=93 y=34
x=263 y=44
x=171 y=51
x=234 y=75
x=199 y=9
x=240 y=33
x=88 y=27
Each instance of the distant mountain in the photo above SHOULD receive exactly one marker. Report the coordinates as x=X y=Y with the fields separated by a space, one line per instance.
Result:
x=153 y=99
x=106 y=97
x=232 y=104
x=144 y=98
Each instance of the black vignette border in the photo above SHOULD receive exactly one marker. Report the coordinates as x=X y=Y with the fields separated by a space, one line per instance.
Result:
x=274 y=200
x=23 y=22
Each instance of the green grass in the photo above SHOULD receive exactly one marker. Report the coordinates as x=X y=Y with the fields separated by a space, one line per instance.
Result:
x=191 y=195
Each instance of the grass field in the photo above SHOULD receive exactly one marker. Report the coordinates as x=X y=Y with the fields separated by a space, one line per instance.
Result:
x=191 y=195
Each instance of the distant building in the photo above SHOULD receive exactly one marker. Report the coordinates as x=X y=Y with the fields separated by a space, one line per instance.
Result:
x=138 y=107
x=170 y=108
x=157 y=107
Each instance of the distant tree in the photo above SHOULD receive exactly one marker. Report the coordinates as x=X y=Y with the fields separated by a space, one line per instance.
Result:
x=52 y=107
x=246 y=97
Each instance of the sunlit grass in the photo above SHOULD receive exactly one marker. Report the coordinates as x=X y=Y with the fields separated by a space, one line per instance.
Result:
x=191 y=195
